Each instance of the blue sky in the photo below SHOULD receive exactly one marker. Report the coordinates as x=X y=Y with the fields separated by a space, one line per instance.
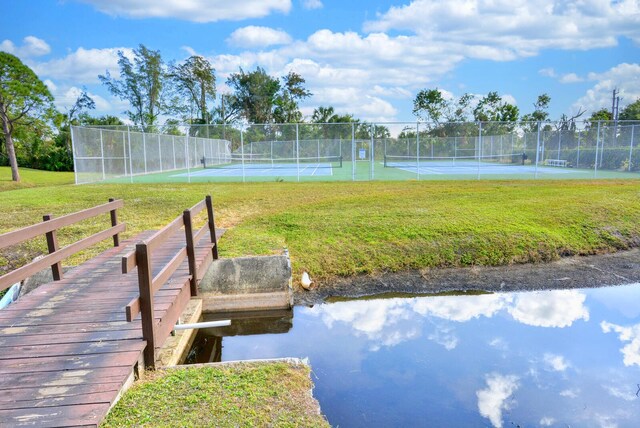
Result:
x=368 y=58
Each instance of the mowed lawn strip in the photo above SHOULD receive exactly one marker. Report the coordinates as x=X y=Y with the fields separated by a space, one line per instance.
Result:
x=33 y=178
x=341 y=229
x=242 y=395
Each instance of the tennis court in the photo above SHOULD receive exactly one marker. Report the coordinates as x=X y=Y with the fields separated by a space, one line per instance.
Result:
x=510 y=164
x=353 y=152
x=248 y=166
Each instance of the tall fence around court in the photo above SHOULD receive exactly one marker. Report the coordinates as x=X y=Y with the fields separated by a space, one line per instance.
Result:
x=359 y=151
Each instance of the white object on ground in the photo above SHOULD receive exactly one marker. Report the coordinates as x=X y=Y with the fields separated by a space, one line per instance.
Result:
x=208 y=324
x=305 y=281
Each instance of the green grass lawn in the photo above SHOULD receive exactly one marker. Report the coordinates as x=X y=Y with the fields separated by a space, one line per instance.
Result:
x=246 y=395
x=349 y=228
x=32 y=178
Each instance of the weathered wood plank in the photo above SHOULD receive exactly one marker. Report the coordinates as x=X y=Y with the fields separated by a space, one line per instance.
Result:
x=84 y=399
x=36 y=352
x=87 y=414
x=47 y=364
x=65 y=378
x=74 y=337
x=21 y=398
x=36 y=329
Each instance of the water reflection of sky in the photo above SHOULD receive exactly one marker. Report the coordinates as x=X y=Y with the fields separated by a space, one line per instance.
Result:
x=552 y=358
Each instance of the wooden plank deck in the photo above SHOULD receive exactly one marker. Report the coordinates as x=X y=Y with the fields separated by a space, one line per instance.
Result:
x=66 y=350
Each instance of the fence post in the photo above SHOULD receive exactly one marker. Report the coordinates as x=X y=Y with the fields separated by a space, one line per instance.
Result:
x=242 y=151
x=144 y=150
x=559 y=143
x=52 y=245
x=418 y=150
x=114 y=222
x=212 y=226
x=631 y=147
x=130 y=158
x=578 y=157
x=297 y=153
x=102 y=155
x=160 y=152
x=537 y=150
x=371 y=152
x=595 y=165
x=353 y=152
x=124 y=153
x=145 y=284
x=74 y=155
x=187 y=154
x=479 y=151
x=191 y=251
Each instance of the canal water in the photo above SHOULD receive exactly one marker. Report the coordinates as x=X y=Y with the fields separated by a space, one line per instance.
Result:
x=548 y=358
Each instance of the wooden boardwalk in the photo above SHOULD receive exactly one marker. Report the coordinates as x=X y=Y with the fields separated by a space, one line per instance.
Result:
x=66 y=349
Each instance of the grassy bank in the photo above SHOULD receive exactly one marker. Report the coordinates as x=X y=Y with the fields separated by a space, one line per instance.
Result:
x=33 y=178
x=246 y=395
x=341 y=229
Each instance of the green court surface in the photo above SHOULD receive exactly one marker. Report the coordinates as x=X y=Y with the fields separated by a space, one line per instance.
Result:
x=366 y=171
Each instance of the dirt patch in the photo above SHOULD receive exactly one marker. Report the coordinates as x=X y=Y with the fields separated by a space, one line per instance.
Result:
x=571 y=272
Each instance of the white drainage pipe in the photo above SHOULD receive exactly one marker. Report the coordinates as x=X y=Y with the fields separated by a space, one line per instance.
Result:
x=207 y=324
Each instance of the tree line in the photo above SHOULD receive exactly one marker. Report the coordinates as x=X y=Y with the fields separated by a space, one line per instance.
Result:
x=34 y=134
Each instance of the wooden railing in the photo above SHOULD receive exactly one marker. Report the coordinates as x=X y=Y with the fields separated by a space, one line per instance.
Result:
x=156 y=332
x=49 y=228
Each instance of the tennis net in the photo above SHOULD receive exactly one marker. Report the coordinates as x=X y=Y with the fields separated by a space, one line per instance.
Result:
x=256 y=161
x=450 y=161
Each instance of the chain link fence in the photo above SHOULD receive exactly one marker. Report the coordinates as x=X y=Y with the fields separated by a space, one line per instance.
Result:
x=358 y=151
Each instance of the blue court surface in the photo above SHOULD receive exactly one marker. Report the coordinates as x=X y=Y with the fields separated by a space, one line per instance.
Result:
x=263 y=170
x=470 y=168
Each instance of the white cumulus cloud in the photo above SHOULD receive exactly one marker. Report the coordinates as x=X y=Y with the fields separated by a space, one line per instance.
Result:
x=555 y=308
x=492 y=400
x=31 y=47
x=462 y=308
x=192 y=10
x=631 y=334
x=556 y=362
x=502 y=30
x=83 y=65
x=258 y=37
x=625 y=77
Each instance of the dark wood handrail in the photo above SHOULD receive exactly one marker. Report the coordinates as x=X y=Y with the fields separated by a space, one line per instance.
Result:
x=156 y=332
x=33 y=231
x=49 y=228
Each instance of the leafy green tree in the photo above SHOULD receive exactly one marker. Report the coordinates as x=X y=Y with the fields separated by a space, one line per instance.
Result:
x=143 y=84
x=196 y=81
x=259 y=98
x=64 y=121
x=491 y=108
x=430 y=105
x=87 y=120
x=631 y=112
x=602 y=114
x=287 y=103
x=540 y=113
x=23 y=97
x=254 y=95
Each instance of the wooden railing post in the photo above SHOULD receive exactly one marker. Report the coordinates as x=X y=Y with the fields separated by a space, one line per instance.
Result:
x=145 y=281
x=52 y=245
x=212 y=226
x=114 y=222
x=191 y=250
